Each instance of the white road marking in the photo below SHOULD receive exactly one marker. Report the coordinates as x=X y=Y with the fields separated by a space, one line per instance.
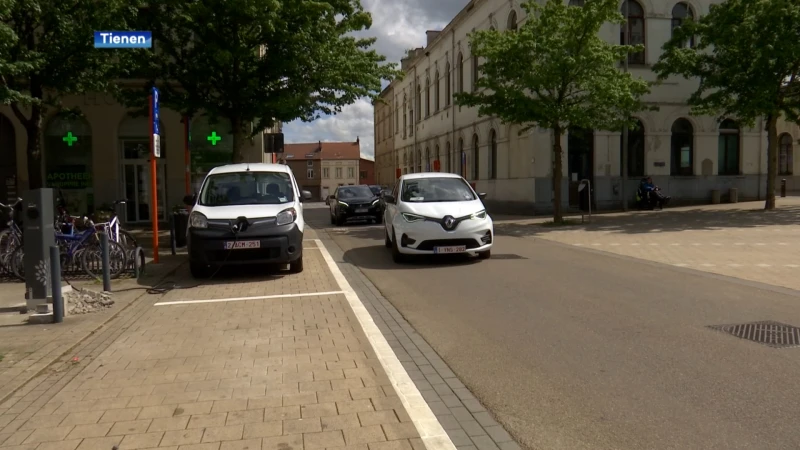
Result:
x=681 y=265
x=614 y=244
x=430 y=430
x=675 y=244
x=695 y=244
x=734 y=265
x=636 y=244
x=707 y=265
x=244 y=299
x=760 y=243
x=654 y=244
x=597 y=244
x=764 y=265
x=716 y=244
x=792 y=265
x=578 y=245
x=739 y=243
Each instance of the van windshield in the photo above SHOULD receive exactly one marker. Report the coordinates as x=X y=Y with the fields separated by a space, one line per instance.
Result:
x=247 y=188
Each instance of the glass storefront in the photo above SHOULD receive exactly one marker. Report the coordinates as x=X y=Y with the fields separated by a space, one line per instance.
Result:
x=68 y=161
x=137 y=187
x=210 y=145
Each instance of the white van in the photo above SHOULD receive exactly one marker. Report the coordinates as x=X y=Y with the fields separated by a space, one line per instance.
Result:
x=246 y=214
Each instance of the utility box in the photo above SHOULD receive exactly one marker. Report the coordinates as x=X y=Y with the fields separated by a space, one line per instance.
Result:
x=38 y=236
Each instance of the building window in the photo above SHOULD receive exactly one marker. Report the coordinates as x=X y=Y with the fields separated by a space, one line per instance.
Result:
x=682 y=148
x=363 y=175
x=326 y=172
x=680 y=14
x=405 y=117
x=310 y=163
x=338 y=173
x=728 y=148
x=632 y=32
x=411 y=122
x=427 y=165
x=436 y=158
x=446 y=166
x=493 y=155
x=512 y=21
x=351 y=172
x=397 y=119
x=475 y=72
x=419 y=160
x=475 y=157
x=427 y=97
x=785 y=163
x=310 y=173
x=459 y=159
x=447 y=84
x=419 y=101
x=436 y=93
x=460 y=66
x=635 y=151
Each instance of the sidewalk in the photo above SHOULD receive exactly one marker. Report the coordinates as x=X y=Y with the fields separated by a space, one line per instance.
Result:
x=738 y=240
x=209 y=367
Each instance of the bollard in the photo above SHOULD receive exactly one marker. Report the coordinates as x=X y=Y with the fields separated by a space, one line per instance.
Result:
x=783 y=187
x=55 y=283
x=105 y=259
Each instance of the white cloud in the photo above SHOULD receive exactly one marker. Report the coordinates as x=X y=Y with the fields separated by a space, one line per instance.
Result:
x=399 y=26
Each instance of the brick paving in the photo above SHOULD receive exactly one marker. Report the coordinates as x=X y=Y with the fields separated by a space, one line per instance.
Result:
x=736 y=240
x=283 y=373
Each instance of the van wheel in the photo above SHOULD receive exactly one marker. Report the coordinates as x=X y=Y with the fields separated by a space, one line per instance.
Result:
x=297 y=265
x=397 y=257
x=199 y=270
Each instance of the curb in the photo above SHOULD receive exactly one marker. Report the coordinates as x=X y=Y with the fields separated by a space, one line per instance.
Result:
x=9 y=390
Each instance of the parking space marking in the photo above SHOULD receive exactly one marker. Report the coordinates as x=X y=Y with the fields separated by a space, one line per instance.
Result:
x=243 y=299
x=430 y=430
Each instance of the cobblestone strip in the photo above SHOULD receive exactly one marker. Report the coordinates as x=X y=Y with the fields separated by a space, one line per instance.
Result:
x=34 y=397
x=469 y=425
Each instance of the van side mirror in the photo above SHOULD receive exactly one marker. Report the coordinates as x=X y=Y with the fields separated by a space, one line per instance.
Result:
x=306 y=195
x=482 y=195
x=189 y=200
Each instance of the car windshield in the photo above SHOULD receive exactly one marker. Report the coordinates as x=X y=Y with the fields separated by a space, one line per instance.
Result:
x=431 y=190
x=354 y=192
x=375 y=190
x=247 y=188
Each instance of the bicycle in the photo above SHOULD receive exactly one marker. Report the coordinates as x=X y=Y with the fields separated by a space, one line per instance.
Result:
x=11 y=236
x=115 y=232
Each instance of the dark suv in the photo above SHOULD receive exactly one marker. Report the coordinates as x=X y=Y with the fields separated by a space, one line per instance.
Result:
x=355 y=202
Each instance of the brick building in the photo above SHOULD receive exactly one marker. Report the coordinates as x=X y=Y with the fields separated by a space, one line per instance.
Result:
x=322 y=166
x=366 y=171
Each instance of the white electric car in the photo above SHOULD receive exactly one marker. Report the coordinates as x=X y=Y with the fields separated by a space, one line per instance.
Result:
x=436 y=213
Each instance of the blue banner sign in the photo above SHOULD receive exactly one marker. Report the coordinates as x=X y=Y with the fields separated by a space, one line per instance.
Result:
x=123 y=39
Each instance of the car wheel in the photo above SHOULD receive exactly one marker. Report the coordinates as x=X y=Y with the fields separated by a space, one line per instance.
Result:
x=340 y=221
x=397 y=257
x=199 y=270
x=485 y=255
x=297 y=265
x=388 y=242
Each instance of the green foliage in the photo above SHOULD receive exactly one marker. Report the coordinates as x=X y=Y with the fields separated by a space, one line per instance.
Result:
x=747 y=60
x=261 y=61
x=556 y=71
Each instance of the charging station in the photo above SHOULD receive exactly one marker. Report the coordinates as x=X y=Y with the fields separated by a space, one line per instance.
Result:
x=38 y=237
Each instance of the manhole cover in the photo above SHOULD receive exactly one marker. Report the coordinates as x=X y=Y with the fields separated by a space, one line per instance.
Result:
x=508 y=256
x=773 y=334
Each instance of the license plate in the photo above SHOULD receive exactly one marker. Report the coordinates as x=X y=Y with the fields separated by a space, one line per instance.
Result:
x=237 y=245
x=361 y=210
x=452 y=249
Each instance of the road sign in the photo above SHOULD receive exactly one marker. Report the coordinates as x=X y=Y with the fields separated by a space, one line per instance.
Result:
x=156 y=114
x=157 y=145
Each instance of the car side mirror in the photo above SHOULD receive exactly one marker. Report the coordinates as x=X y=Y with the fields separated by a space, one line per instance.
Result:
x=189 y=200
x=482 y=195
x=388 y=198
x=306 y=195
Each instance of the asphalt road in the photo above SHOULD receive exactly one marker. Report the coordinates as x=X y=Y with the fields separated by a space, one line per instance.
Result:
x=576 y=349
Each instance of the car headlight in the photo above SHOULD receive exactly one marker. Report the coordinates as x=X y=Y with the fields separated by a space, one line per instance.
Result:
x=198 y=220
x=479 y=215
x=408 y=217
x=375 y=202
x=286 y=217
x=343 y=204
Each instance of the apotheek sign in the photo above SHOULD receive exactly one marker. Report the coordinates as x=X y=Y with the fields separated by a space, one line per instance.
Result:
x=69 y=177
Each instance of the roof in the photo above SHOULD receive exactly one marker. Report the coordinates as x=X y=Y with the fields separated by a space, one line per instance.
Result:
x=254 y=167
x=415 y=176
x=322 y=150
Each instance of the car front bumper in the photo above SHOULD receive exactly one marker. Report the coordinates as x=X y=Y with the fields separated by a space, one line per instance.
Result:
x=367 y=211
x=277 y=245
x=422 y=238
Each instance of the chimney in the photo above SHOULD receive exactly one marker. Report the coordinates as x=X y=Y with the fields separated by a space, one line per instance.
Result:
x=431 y=34
x=358 y=140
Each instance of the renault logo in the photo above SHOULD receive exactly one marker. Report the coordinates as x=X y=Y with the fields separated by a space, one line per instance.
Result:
x=449 y=221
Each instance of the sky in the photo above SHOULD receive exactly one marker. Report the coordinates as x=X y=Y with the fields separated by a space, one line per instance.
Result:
x=399 y=25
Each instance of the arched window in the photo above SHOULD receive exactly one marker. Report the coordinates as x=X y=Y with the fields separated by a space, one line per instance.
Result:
x=785 y=163
x=436 y=158
x=635 y=150
x=446 y=163
x=447 y=84
x=436 y=93
x=728 y=148
x=396 y=118
x=682 y=12
x=426 y=166
x=419 y=159
x=476 y=68
x=682 y=148
x=68 y=158
x=512 y=21
x=405 y=117
x=576 y=2
x=493 y=155
x=632 y=32
x=460 y=87
x=8 y=161
x=419 y=101
x=475 y=157
x=427 y=97
x=460 y=156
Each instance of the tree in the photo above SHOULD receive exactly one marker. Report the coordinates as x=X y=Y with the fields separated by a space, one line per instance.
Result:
x=53 y=55
x=261 y=61
x=556 y=72
x=747 y=59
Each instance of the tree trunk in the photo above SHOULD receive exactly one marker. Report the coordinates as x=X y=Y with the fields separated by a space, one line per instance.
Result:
x=239 y=139
x=772 y=160
x=33 y=131
x=557 y=169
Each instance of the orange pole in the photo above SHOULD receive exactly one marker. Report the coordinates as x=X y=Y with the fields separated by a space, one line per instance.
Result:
x=186 y=159
x=153 y=185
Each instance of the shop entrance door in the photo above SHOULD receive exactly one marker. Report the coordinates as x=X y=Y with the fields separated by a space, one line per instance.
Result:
x=137 y=184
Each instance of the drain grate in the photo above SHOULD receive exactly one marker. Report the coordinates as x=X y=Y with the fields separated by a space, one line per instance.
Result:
x=770 y=333
x=508 y=256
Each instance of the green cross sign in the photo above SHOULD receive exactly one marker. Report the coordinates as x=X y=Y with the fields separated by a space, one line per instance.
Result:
x=214 y=138
x=69 y=139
